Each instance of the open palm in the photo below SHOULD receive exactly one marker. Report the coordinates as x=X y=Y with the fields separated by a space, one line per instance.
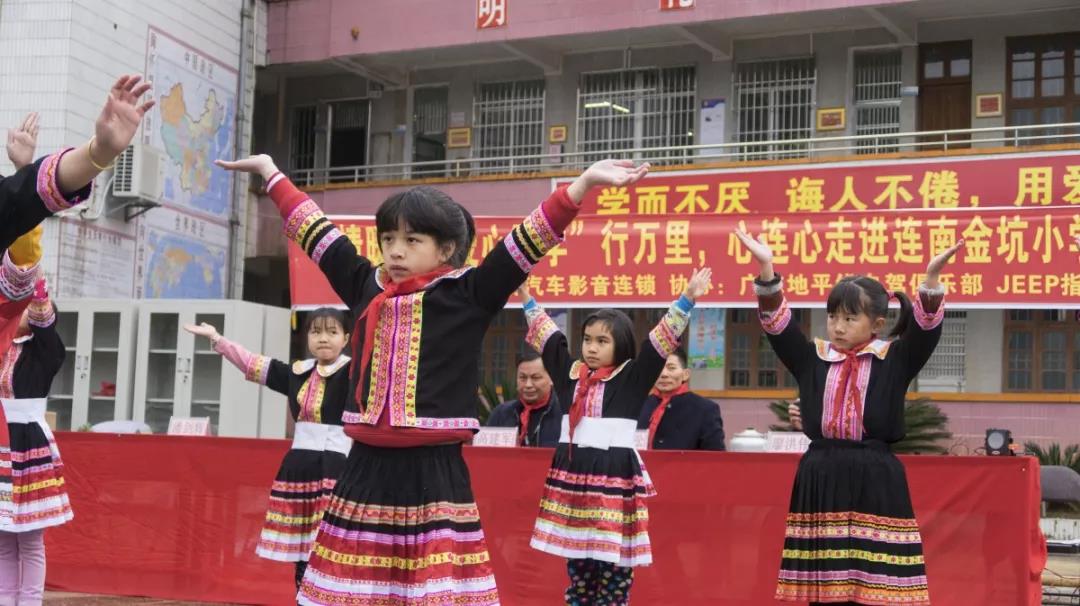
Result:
x=939 y=262
x=758 y=248
x=120 y=118
x=22 y=142
x=615 y=173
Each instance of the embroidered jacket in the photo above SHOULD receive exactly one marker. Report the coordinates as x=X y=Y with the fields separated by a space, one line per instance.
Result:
x=881 y=375
x=424 y=368
x=622 y=394
x=317 y=394
x=30 y=363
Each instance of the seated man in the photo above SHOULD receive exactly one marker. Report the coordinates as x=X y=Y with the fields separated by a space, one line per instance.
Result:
x=677 y=418
x=536 y=413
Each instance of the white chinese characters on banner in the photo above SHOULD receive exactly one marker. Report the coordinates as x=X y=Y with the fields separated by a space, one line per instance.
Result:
x=490 y=13
x=674 y=5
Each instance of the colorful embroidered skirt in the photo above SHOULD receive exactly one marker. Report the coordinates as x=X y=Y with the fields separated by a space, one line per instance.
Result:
x=37 y=496
x=593 y=507
x=851 y=533
x=401 y=528
x=298 y=499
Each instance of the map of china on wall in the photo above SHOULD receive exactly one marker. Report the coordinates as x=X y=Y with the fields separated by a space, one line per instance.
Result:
x=184 y=245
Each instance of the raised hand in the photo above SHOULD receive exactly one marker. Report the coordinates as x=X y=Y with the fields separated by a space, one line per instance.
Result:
x=202 y=330
x=699 y=283
x=119 y=119
x=794 y=416
x=934 y=267
x=260 y=164
x=606 y=173
x=760 y=250
x=22 y=141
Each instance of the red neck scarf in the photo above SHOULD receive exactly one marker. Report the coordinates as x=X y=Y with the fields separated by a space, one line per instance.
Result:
x=527 y=409
x=370 y=318
x=658 y=414
x=587 y=379
x=847 y=393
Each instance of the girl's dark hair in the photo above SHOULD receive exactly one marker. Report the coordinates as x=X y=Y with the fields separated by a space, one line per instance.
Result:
x=862 y=294
x=622 y=332
x=429 y=211
x=327 y=313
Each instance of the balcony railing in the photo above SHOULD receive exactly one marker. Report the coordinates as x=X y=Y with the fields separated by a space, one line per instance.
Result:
x=690 y=155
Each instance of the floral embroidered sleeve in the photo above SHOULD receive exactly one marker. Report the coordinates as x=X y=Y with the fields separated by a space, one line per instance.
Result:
x=307 y=227
x=257 y=368
x=510 y=261
x=781 y=328
x=663 y=340
x=30 y=195
x=545 y=337
x=923 y=333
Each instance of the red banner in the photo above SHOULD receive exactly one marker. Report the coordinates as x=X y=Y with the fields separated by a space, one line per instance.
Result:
x=178 y=518
x=637 y=245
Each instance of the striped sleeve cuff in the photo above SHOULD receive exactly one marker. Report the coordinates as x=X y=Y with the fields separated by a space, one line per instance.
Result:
x=305 y=223
x=255 y=367
x=541 y=328
x=41 y=313
x=48 y=189
x=665 y=337
x=16 y=283
x=929 y=306
x=775 y=321
x=536 y=236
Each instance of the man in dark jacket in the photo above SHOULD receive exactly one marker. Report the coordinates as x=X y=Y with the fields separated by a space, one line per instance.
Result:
x=536 y=413
x=677 y=418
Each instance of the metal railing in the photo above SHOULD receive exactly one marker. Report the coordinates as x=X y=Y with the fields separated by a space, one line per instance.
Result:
x=689 y=155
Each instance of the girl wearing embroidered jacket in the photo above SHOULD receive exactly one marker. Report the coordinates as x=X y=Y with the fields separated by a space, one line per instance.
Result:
x=35 y=498
x=851 y=536
x=402 y=526
x=593 y=509
x=317 y=389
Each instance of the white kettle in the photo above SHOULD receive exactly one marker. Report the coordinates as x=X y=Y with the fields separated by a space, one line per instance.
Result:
x=748 y=441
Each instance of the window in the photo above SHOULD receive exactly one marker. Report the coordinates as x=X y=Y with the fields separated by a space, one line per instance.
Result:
x=302 y=140
x=876 y=82
x=504 y=341
x=750 y=360
x=508 y=120
x=1043 y=82
x=945 y=368
x=1042 y=350
x=774 y=101
x=641 y=108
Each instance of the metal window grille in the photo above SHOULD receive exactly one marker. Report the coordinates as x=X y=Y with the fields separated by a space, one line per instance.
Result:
x=945 y=368
x=774 y=101
x=946 y=365
x=639 y=108
x=877 y=83
x=302 y=147
x=508 y=120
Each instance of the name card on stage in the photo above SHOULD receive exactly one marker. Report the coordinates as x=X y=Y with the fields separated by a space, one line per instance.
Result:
x=641 y=439
x=505 y=437
x=786 y=441
x=194 y=426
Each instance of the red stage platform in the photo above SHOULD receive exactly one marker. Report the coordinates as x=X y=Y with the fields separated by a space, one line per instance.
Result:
x=178 y=518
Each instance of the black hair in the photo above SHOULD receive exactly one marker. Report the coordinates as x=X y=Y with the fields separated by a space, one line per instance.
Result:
x=528 y=356
x=681 y=354
x=429 y=211
x=862 y=294
x=622 y=332
x=327 y=313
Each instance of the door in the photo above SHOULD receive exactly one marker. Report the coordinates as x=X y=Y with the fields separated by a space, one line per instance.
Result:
x=945 y=92
x=429 y=129
x=348 y=140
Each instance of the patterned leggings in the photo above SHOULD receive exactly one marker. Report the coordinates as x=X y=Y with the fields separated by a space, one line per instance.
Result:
x=596 y=583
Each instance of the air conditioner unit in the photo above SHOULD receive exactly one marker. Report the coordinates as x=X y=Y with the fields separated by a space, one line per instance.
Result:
x=139 y=173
